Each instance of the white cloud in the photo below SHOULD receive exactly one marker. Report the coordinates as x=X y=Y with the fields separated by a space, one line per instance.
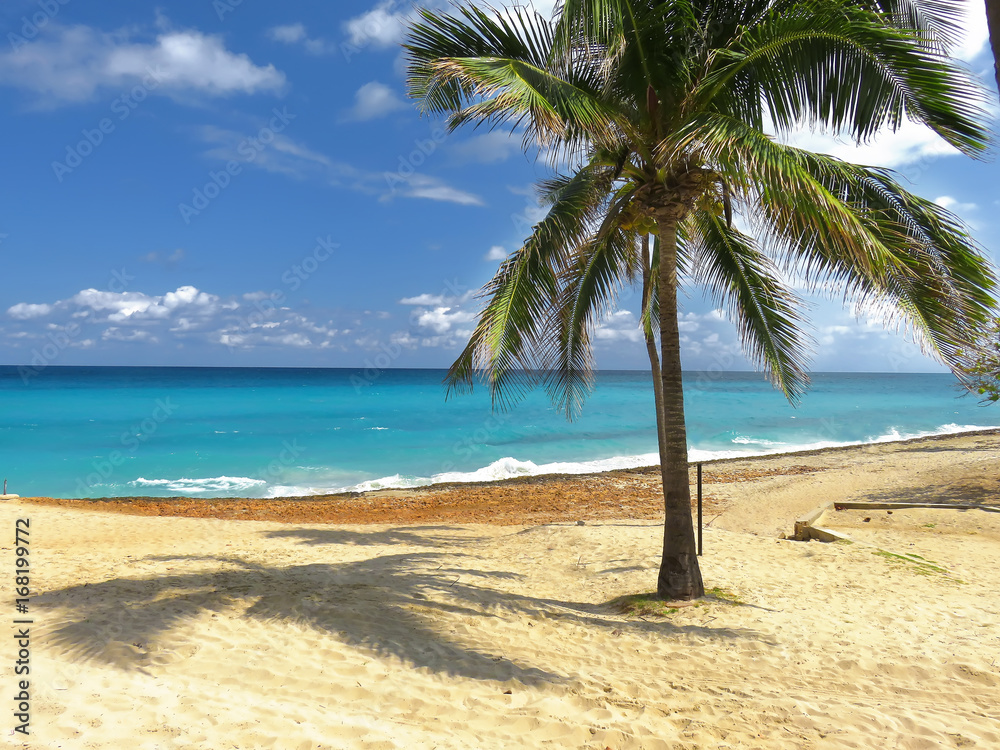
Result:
x=497 y=252
x=424 y=299
x=247 y=321
x=26 y=311
x=438 y=320
x=74 y=64
x=403 y=338
x=289 y=34
x=954 y=205
x=383 y=26
x=621 y=325
x=117 y=334
x=415 y=185
x=281 y=155
x=911 y=145
x=442 y=319
x=295 y=33
x=375 y=100
x=134 y=306
x=976 y=33
x=440 y=300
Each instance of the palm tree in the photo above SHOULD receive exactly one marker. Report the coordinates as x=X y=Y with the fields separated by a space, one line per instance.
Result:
x=663 y=108
x=993 y=24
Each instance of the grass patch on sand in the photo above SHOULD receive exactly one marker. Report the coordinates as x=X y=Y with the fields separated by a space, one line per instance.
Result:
x=919 y=565
x=643 y=605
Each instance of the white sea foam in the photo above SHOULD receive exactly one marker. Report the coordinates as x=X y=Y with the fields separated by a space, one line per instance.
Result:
x=747 y=440
x=197 y=486
x=508 y=467
x=893 y=435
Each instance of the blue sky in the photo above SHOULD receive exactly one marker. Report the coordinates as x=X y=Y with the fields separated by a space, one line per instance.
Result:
x=234 y=183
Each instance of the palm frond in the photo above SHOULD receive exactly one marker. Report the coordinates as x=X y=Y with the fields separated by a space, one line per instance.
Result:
x=498 y=68
x=522 y=297
x=836 y=65
x=743 y=280
x=589 y=288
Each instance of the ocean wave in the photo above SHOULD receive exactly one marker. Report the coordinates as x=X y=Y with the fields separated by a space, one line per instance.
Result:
x=506 y=468
x=509 y=467
x=892 y=436
x=196 y=486
x=748 y=440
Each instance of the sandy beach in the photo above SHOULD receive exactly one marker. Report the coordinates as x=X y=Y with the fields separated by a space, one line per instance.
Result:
x=482 y=616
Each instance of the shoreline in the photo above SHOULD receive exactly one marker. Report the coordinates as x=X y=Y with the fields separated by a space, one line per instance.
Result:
x=544 y=498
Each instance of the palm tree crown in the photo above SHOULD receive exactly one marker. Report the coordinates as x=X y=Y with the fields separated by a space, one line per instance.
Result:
x=663 y=108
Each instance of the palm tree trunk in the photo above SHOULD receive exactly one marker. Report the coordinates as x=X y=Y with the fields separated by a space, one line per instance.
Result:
x=993 y=23
x=654 y=358
x=680 y=576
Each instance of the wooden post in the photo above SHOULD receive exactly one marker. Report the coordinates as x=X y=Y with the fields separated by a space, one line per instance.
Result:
x=699 y=510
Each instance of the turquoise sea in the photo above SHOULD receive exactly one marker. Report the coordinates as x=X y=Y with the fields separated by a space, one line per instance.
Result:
x=259 y=432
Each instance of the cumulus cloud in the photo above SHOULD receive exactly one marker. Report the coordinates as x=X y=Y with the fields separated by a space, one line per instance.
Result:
x=382 y=26
x=438 y=320
x=76 y=63
x=119 y=307
x=442 y=319
x=497 y=252
x=621 y=325
x=26 y=311
x=374 y=100
x=244 y=322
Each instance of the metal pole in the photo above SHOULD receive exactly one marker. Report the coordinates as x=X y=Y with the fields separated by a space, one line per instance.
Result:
x=699 y=510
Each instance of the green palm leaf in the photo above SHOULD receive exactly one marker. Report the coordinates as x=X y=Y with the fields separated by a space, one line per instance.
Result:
x=741 y=278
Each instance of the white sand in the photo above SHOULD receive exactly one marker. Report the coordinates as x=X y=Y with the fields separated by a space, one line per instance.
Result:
x=187 y=633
